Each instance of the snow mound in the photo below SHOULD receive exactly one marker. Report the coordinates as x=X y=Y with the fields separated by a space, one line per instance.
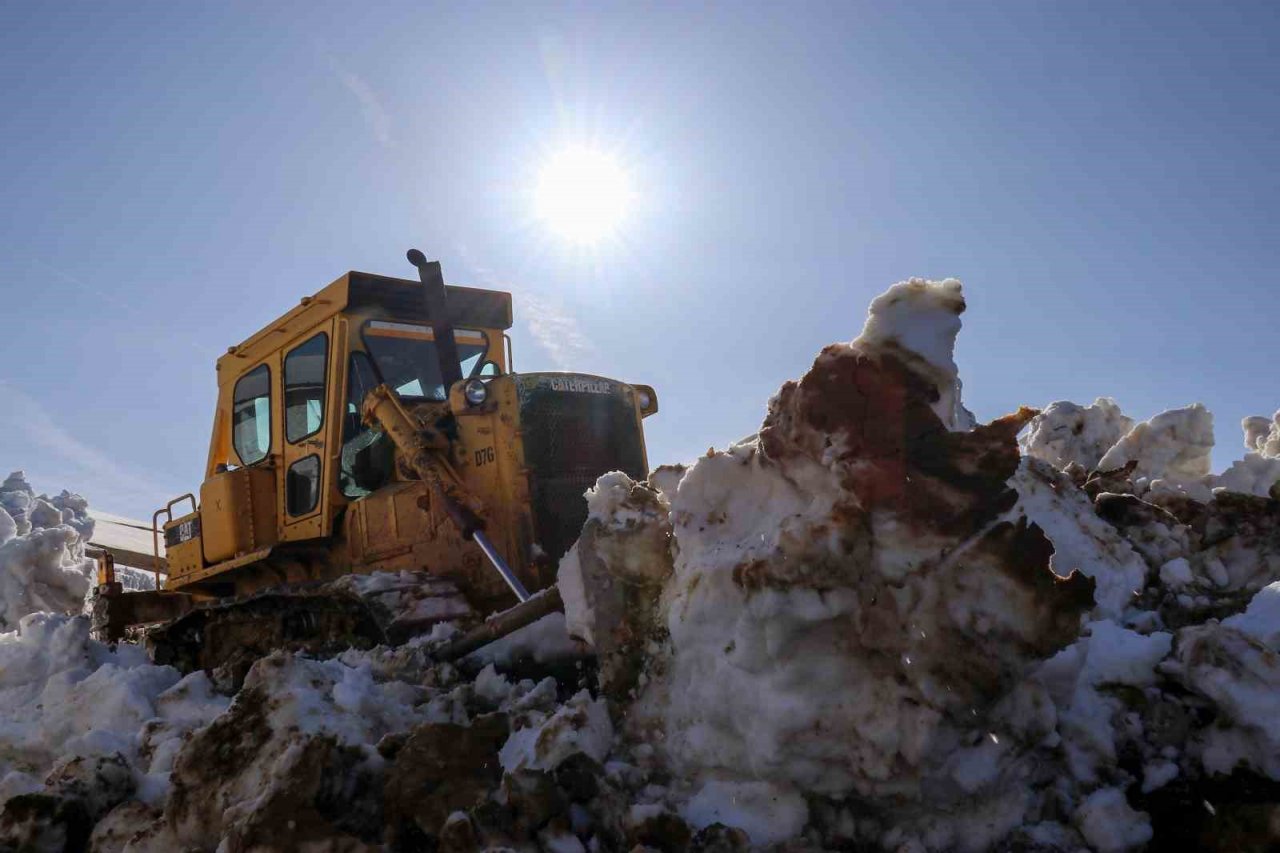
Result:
x=43 y=567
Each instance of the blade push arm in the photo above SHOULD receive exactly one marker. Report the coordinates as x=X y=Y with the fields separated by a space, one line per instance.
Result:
x=424 y=451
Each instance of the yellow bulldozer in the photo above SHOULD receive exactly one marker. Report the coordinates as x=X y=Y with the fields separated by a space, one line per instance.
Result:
x=377 y=427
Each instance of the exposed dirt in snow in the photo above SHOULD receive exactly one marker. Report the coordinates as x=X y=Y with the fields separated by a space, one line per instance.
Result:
x=874 y=625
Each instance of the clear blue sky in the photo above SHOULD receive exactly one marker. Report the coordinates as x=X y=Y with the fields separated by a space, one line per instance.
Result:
x=1104 y=178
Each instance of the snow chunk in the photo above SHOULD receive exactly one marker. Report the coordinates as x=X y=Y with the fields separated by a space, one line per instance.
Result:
x=1259 y=471
x=767 y=813
x=1262 y=435
x=1255 y=474
x=1119 y=656
x=920 y=319
x=1109 y=824
x=1174 y=445
x=1158 y=774
x=1242 y=677
x=1176 y=573
x=580 y=725
x=1261 y=620
x=1066 y=433
x=1076 y=679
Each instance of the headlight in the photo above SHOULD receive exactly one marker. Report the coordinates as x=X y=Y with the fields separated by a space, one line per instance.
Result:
x=644 y=400
x=475 y=391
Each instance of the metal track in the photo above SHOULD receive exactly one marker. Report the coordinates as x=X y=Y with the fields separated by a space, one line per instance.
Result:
x=226 y=637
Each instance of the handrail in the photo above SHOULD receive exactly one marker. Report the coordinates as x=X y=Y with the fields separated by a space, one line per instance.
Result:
x=155 y=526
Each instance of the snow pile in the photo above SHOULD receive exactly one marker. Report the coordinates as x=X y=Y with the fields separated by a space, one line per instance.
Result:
x=43 y=566
x=874 y=625
x=868 y=636
x=849 y=599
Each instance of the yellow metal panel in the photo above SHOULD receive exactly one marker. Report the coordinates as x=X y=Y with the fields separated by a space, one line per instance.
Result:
x=184 y=557
x=220 y=568
x=489 y=457
x=237 y=512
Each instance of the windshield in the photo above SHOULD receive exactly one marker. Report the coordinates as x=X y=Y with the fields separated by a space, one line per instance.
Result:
x=405 y=354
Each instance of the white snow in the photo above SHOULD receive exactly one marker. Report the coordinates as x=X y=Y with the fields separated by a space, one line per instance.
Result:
x=1262 y=435
x=1077 y=678
x=1109 y=824
x=1176 y=573
x=1261 y=620
x=43 y=566
x=64 y=695
x=1174 y=445
x=1065 y=433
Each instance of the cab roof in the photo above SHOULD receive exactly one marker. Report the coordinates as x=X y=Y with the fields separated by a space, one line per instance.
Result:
x=366 y=292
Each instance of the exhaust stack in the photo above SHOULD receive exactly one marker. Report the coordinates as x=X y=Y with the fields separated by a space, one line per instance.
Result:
x=438 y=315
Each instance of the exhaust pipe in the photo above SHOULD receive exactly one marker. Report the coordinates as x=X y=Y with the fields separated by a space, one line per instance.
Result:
x=438 y=315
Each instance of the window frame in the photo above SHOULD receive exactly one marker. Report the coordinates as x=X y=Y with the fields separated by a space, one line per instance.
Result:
x=352 y=371
x=324 y=387
x=266 y=451
x=373 y=358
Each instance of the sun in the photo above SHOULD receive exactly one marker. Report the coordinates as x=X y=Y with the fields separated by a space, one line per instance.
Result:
x=583 y=195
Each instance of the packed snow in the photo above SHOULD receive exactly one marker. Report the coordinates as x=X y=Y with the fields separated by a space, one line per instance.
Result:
x=874 y=624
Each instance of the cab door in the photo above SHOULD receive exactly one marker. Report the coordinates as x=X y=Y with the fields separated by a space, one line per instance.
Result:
x=306 y=375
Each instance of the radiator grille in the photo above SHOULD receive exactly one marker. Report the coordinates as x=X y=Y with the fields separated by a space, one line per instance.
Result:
x=575 y=429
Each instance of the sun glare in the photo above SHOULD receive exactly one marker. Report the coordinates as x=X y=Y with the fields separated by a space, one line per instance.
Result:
x=582 y=195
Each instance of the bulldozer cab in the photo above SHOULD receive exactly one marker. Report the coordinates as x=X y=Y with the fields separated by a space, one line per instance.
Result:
x=301 y=484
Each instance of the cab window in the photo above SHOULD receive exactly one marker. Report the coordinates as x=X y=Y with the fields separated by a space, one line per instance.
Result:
x=304 y=375
x=251 y=415
x=405 y=355
x=367 y=459
x=302 y=486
